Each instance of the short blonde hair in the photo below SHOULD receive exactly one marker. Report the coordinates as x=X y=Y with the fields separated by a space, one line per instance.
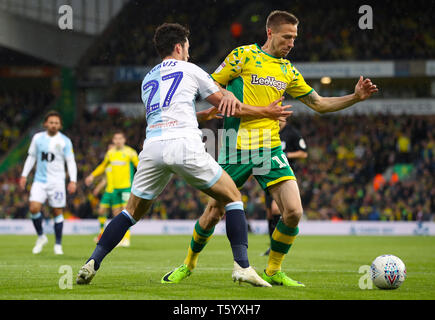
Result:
x=278 y=17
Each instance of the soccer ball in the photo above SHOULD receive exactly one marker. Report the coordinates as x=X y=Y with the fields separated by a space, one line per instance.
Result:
x=388 y=272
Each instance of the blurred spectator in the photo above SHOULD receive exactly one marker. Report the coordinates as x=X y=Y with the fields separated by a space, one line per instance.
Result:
x=17 y=110
x=328 y=30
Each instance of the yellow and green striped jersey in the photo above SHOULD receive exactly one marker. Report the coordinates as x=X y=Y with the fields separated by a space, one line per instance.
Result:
x=120 y=161
x=257 y=78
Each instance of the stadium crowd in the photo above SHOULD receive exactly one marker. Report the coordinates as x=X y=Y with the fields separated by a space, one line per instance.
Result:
x=322 y=37
x=17 y=110
x=338 y=181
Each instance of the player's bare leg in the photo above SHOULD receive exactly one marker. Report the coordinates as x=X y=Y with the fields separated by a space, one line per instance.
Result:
x=112 y=235
x=272 y=215
x=58 y=228
x=287 y=197
x=226 y=199
x=36 y=215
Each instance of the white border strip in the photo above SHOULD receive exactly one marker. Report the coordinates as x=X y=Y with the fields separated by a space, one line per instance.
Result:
x=180 y=227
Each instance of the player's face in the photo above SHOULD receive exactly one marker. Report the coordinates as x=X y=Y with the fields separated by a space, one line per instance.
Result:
x=52 y=125
x=185 y=51
x=118 y=140
x=283 y=39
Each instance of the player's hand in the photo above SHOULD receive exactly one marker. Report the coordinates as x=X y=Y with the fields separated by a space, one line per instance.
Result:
x=89 y=179
x=365 y=88
x=276 y=112
x=211 y=113
x=22 y=183
x=229 y=104
x=72 y=187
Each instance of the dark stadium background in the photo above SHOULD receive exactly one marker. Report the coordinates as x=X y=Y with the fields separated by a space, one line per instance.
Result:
x=357 y=168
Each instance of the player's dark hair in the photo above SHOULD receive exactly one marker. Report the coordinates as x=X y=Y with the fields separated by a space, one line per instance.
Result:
x=119 y=132
x=278 y=17
x=52 y=113
x=167 y=36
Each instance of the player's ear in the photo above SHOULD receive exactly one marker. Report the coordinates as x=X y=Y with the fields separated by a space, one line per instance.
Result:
x=177 y=48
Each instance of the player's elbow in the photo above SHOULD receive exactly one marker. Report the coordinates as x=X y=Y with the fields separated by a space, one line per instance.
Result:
x=320 y=108
x=320 y=105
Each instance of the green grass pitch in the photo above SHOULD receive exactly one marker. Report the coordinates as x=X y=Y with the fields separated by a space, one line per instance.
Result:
x=327 y=265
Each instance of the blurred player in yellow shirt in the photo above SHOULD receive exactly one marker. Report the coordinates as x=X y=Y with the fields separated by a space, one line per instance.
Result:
x=118 y=165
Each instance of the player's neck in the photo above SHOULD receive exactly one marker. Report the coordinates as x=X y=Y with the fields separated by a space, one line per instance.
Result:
x=268 y=49
x=172 y=57
x=51 y=134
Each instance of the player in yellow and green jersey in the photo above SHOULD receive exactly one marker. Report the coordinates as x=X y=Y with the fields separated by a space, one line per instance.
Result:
x=258 y=75
x=120 y=160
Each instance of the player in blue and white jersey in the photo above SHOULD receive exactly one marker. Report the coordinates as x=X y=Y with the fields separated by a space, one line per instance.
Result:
x=50 y=150
x=174 y=145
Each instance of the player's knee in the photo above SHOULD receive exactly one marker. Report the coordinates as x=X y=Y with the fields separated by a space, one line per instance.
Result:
x=292 y=216
x=34 y=208
x=233 y=196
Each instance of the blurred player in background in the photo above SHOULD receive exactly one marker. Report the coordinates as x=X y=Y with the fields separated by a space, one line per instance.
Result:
x=294 y=147
x=122 y=160
x=50 y=150
x=106 y=200
x=257 y=76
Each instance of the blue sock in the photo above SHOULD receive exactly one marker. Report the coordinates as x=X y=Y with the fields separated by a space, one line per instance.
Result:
x=58 y=227
x=111 y=236
x=37 y=223
x=237 y=232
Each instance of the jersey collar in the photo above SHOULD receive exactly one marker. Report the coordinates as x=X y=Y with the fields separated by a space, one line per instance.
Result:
x=259 y=48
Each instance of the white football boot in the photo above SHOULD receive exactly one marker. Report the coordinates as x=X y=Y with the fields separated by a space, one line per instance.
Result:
x=86 y=273
x=58 y=249
x=40 y=243
x=248 y=275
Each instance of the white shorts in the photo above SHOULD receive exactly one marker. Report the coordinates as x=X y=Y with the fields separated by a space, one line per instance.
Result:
x=160 y=159
x=55 y=193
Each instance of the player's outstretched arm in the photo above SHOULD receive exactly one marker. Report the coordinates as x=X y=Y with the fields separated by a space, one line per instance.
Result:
x=273 y=111
x=229 y=105
x=239 y=109
x=363 y=90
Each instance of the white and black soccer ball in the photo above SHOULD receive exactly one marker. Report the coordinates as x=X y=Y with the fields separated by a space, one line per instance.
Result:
x=388 y=272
